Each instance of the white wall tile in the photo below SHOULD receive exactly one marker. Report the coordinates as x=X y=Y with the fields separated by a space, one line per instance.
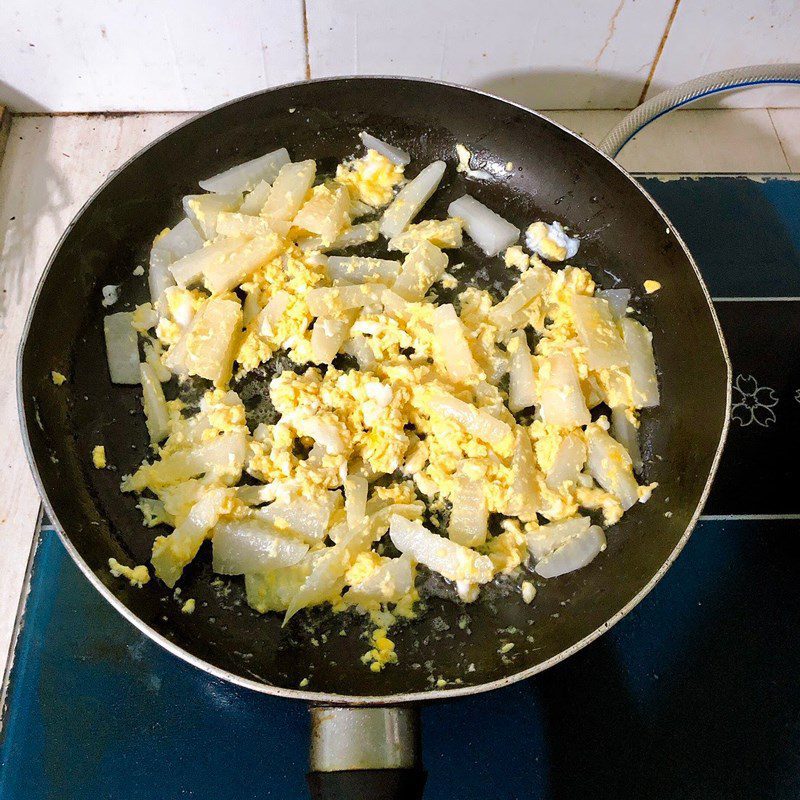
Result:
x=93 y=55
x=787 y=126
x=570 y=54
x=708 y=35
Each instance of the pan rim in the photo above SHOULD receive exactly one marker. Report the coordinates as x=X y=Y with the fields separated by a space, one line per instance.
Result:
x=320 y=697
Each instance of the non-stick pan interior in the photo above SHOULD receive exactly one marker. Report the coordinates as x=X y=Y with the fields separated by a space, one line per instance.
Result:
x=539 y=171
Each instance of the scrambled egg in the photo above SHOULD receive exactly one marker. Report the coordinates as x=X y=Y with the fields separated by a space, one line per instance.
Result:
x=99 y=456
x=138 y=576
x=651 y=286
x=301 y=505
x=371 y=179
x=57 y=378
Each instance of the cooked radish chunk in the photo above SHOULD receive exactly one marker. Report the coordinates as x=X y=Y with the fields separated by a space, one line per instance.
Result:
x=610 y=465
x=251 y=545
x=355 y=499
x=410 y=199
x=618 y=301
x=394 y=154
x=254 y=201
x=208 y=346
x=233 y=223
x=329 y=335
x=469 y=515
x=442 y=233
x=122 y=348
x=422 y=267
x=576 y=553
x=488 y=230
x=522 y=381
x=189 y=270
x=289 y=191
x=569 y=461
x=639 y=344
x=561 y=400
x=544 y=540
x=172 y=553
x=354 y=269
x=245 y=177
x=452 y=344
x=524 y=497
x=203 y=210
x=350 y=237
x=452 y=561
x=273 y=591
x=237 y=266
x=598 y=333
x=509 y=313
x=359 y=348
x=393 y=579
x=324 y=213
x=307 y=519
x=479 y=423
x=329 y=301
x=627 y=434
x=156 y=412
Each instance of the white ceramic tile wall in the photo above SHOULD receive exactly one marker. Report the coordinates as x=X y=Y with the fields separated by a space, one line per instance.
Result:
x=92 y=55
x=550 y=55
x=709 y=35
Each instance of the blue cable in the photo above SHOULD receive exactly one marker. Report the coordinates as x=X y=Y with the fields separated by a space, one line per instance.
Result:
x=742 y=85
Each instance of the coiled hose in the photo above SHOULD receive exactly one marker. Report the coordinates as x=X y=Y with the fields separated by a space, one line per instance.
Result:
x=690 y=91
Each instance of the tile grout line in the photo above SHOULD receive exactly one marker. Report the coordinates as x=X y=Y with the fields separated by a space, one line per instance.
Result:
x=305 y=40
x=659 y=52
x=778 y=137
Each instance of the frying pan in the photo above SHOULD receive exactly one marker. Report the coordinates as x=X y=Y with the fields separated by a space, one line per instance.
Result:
x=364 y=739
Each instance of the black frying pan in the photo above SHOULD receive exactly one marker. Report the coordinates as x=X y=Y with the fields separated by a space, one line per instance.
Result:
x=451 y=649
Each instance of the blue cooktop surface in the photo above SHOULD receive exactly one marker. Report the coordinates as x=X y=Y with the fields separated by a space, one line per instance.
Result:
x=693 y=695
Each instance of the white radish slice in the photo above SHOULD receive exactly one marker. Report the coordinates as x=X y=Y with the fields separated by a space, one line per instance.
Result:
x=450 y=560
x=487 y=229
x=544 y=540
x=355 y=269
x=387 y=584
x=509 y=312
x=156 y=412
x=159 y=278
x=394 y=154
x=610 y=465
x=244 y=177
x=203 y=209
x=233 y=223
x=627 y=434
x=152 y=355
x=618 y=301
x=273 y=591
x=329 y=335
x=289 y=191
x=440 y=232
x=325 y=581
x=470 y=514
x=324 y=213
x=189 y=270
x=222 y=456
x=327 y=301
x=208 y=346
x=561 y=400
x=452 y=344
x=355 y=499
x=359 y=348
x=411 y=198
x=223 y=275
x=524 y=496
x=251 y=545
x=639 y=344
x=598 y=333
x=177 y=243
x=350 y=237
x=568 y=463
x=250 y=307
x=575 y=553
x=122 y=348
x=172 y=553
x=272 y=313
x=307 y=519
x=254 y=201
x=474 y=420
x=522 y=381
x=422 y=267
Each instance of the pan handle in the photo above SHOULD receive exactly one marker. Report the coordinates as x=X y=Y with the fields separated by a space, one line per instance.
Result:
x=365 y=752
